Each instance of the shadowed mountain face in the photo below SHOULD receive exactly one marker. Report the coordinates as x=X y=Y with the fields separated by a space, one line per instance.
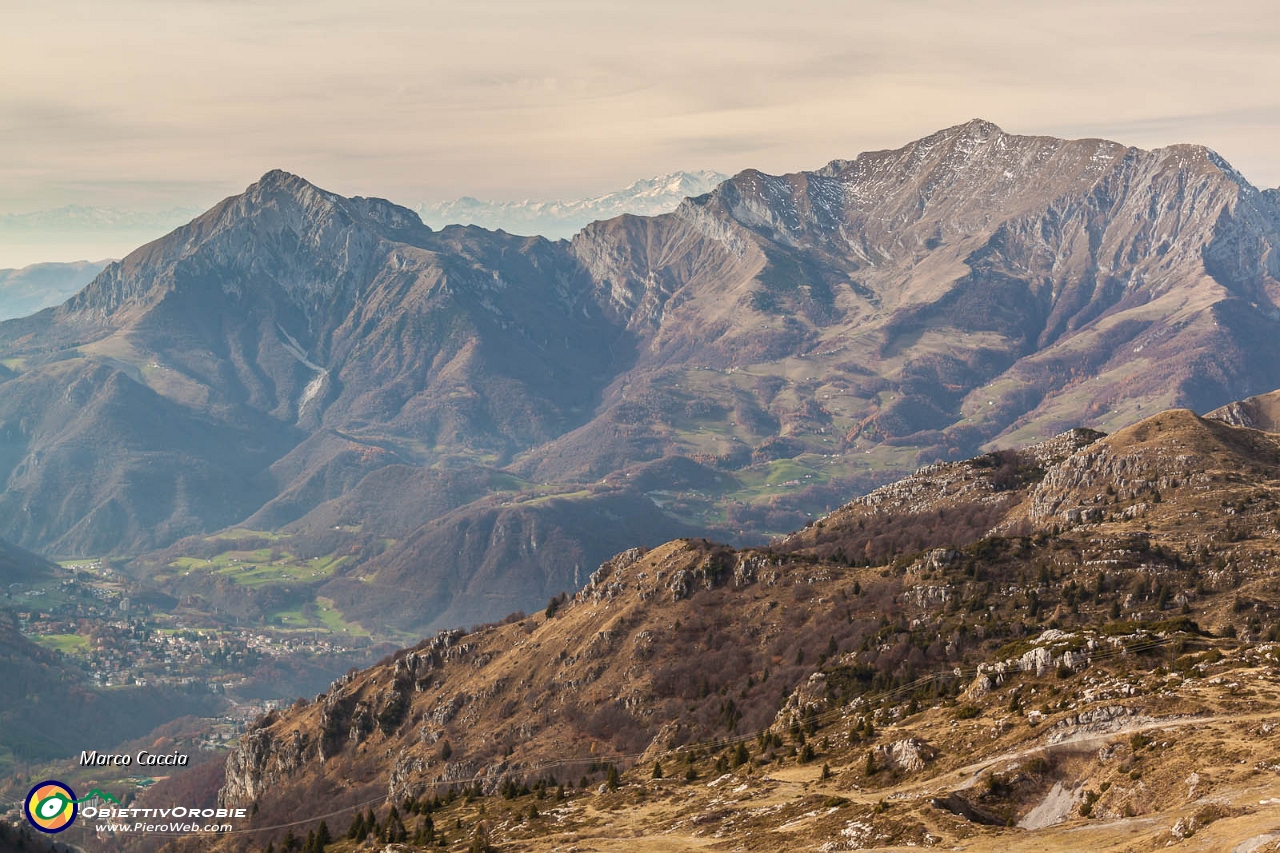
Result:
x=18 y=566
x=785 y=335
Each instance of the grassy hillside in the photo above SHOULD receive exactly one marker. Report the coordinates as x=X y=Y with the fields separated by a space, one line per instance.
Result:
x=1026 y=650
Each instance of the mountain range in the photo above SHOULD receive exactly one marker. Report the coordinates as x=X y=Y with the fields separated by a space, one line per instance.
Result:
x=562 y=219
x=77 y=218
x=478 y=419
x=79 y=231
x=32 y=288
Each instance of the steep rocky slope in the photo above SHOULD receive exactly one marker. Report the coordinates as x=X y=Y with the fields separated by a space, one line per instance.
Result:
x=950 y=677
x=775 y=345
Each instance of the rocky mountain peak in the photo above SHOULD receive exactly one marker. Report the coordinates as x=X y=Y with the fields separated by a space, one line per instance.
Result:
x=282 y=200
x=973 y=130
x=280 y=193
x=282 y=179
x=279 y=230
x=979 y=126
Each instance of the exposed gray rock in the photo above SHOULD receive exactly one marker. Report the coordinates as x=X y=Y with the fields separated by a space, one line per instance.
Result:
x=908 y=755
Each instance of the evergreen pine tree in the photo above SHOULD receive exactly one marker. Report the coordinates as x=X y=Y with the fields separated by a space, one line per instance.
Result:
x=426 y=831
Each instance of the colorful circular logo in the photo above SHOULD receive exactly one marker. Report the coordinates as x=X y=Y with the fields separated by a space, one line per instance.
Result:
x=51 y=806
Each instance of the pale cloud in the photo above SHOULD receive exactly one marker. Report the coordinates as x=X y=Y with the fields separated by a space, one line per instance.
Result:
x=141 y=102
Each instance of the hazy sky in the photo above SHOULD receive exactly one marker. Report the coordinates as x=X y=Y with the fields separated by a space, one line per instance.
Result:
x=146 y=104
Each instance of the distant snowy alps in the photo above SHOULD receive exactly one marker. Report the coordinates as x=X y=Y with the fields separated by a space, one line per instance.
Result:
x=556 y=219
